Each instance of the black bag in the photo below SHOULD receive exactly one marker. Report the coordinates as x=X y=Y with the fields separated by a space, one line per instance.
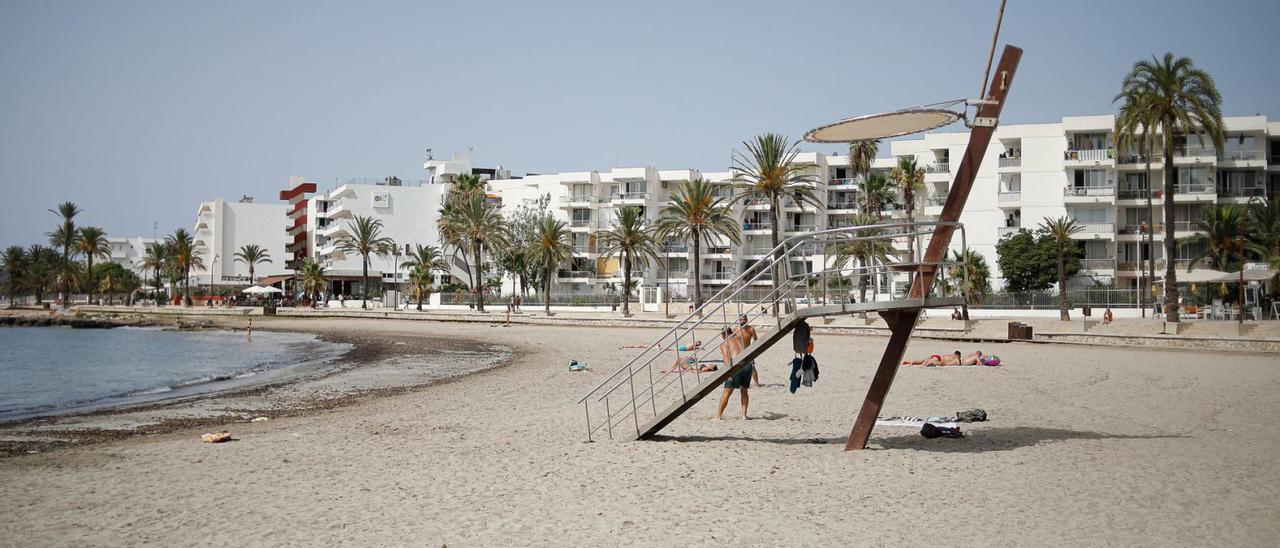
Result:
x=800 y=337
x=929 y=431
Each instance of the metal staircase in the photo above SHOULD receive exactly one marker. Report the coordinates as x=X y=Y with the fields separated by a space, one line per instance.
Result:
x=794 y=283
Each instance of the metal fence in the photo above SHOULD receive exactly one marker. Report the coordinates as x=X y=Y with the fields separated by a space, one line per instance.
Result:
x=1048 y=299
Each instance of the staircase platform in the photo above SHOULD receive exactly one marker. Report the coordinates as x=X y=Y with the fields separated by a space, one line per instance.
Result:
x=768 y=339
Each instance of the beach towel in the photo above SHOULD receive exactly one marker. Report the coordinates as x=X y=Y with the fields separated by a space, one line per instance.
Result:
x=917 y=422
x=972 y=415
x=575 y=365
x=796 y=365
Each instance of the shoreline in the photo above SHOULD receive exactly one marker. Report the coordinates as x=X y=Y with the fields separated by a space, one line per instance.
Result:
x=292 y=394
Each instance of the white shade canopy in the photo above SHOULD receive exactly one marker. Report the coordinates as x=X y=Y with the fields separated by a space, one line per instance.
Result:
x=882 y=126
x=259 y=290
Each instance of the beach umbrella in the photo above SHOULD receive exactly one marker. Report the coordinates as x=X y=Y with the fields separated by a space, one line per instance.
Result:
x=253 y=290
x=270 y=289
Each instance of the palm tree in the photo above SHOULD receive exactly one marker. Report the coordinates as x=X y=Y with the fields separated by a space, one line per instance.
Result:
x=313 y=278
x=184 y=257
x=1136 y=130
x=92 y=242
x=1217 y=232
x=769 y=169
x=861 y=155
x=877 y=191
x=16 y=263
x=424 y=260
x=909 y=178
x=68 y=274
x=864 y=252
x=1060 y=230
x=42 y=265
x=364 y=237
x=1183 y=100
x=552 y=245
x=696 y=215
x=631 y=241
x=972 y=276
x=253 y=255
x=112 y=283
x=155 y=259
x=471 y=221
x=64 y=236
x=420 y=283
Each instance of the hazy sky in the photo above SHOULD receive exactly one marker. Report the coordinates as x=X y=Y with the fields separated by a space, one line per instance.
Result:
x=139 y=110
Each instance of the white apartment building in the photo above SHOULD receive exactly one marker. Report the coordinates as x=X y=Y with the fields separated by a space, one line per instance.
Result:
x=223 y=227
x=1031 y=172
x=128 y=252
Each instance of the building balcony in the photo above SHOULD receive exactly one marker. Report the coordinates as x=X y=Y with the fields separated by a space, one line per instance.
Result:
x=1134 y=233
x=1242 y=194
x=801 y=228
x=681 y=249
x=1135 y=161
x=340 y=211
x=1089 y=194
x=1242 y=158
x=717 y=253
x=1098 y=265
x=1009 y=197
x=637 y=198
x=848 y=182
x=580 y=224
x=723 y=276
x=1195 y=192
x=578 y=201
x=756 y=252
x=1089 y=158
x=1135 y=194
x=1009 y=164
x=1003 y=231
x=584 y=250
x=1195 y=155
x=756 y=204
x=848 y=206
x=938 y=172
x=1184 y=229
x=575 y=276
x=1094 y=231
x=757 y=228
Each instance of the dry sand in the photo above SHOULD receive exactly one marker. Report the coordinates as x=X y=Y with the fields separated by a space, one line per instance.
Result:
x=1085 y=446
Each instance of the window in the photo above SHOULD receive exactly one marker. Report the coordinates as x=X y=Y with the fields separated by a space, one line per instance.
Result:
x=1193 y=176
x=1091 y=216
x=581 y=215
x=1096 y=249
x=1134 y=216
x=1091 y=178
x=1135 y=181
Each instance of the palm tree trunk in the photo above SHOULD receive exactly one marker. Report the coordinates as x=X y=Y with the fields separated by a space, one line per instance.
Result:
x=777 y=258
x=1062 y=287
x=364 y=265
x=697 y=270
x=1170 y=246
x=89 y=276
x=862 y=280
x=478 y=285
x=1151 y=242
x=626 y=284
x=546 y=288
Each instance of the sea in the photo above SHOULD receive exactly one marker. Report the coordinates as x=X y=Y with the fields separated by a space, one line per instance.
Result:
x=60 y=370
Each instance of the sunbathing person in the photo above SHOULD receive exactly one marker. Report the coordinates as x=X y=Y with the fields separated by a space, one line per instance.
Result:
x=954 y=358
x=689 y=363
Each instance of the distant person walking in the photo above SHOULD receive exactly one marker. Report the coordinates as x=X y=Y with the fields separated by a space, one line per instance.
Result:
x=730 y=348
x=248 y=332
x=747 y=335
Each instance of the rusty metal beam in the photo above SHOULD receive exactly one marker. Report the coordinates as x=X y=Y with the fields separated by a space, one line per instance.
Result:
x=903 y=323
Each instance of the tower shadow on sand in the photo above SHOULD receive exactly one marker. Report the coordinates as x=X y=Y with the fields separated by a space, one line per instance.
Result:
x=975 y=441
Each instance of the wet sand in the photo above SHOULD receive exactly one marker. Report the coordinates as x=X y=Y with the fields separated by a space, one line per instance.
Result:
x=1085 y=445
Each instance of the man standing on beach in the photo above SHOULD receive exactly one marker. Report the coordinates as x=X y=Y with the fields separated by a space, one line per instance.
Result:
x=747 y=335
x=730 y=347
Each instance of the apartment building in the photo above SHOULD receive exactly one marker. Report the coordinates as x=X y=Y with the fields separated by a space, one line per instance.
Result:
x=222 y=228
x=128 y=252
x=1031 y=172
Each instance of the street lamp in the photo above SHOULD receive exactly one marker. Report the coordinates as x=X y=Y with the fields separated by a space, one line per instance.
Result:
x=1240 y=244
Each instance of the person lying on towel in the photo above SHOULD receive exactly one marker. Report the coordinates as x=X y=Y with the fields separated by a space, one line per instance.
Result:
x=954 y=358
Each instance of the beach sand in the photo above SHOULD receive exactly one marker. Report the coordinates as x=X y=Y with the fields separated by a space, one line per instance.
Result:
x=1084 y=446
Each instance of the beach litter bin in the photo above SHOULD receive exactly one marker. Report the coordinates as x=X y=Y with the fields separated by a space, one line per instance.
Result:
x=1019 y=331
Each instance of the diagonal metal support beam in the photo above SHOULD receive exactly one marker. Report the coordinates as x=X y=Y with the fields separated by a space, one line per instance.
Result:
x=903 y=322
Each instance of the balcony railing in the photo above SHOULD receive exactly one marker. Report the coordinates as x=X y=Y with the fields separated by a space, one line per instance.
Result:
x=580 y=223
x=1007 y=231
x=1194 y=188
x=576 y=199
x=842 y=204
x=935 y=200
x=1241 y=155
x=842 y=182
x=717 y=251
x=1134 y=194
x=584 y=248
x=1137 y=229
x=1250 y=192
x=1184 y=226
x=1010 y=196
x=802 y=228
x=939 y=167
x=1097 y=264
x=1010 y=162
x=721 y=275
x=631 y=196
x=756 y=226
x=575 y=274
x=761 y=201
x=1195 y=152
x=1138 y=158
x=1083 y=191
x=1092 y=155
x=1096 y=228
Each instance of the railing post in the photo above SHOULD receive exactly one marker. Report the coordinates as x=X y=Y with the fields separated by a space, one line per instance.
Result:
x=586 y=405
x=608 y=415
x=635 y=415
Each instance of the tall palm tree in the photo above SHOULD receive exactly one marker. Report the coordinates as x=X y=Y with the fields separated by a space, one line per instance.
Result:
x=1136 y=130
x=64 y=237
x=472 y=222
x=1264 y=233
x=15 y=267
x=252 y=255
x=364 y=238
x=861 y=155
x=877 y=191
x=1060 y=230
x=972 y=276
x=696 y=215
x=155 y=259
x=1184 y=100
x=92 y=243
x=769 y=169
x=313 y=278
x=184 y=257
x=864 y=252
x=909 y=178
x=552 y=245
x=1218 y=231
x=631 y=241
x=42 y=266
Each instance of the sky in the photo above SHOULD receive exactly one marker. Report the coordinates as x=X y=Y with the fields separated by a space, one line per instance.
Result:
x=137 y=111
